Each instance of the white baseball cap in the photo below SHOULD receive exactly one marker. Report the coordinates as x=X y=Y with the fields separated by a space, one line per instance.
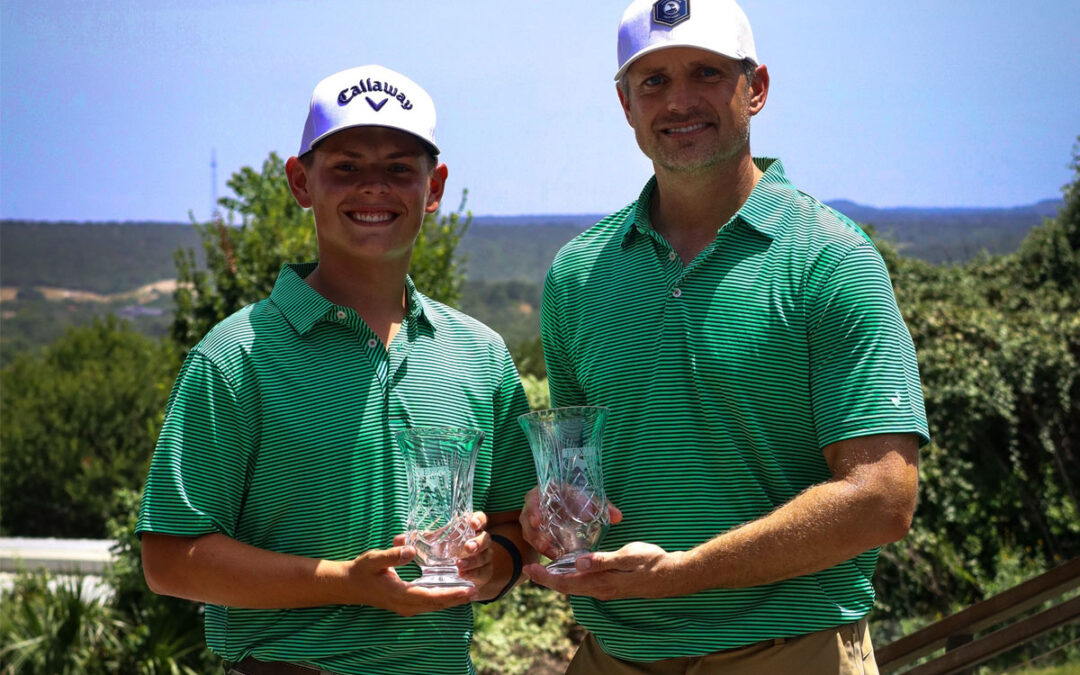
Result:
x=718 y=26
x=369 y=96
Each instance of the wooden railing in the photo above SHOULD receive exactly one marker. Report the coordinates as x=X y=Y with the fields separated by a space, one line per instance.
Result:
x=957 y=633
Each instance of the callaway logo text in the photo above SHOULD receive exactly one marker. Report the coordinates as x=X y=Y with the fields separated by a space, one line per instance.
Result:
x=367 y=86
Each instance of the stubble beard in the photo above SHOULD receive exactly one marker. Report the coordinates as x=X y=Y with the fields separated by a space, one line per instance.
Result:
x=694 y=160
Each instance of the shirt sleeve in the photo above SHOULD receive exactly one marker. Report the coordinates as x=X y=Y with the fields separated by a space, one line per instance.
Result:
x=562 y=380
x=512 y=471
x=198 y=475
x=864 y=377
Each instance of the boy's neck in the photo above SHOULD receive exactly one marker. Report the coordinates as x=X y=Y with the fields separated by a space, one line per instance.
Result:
x=375 y=291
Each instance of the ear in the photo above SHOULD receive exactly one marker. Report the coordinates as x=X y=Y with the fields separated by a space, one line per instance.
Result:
x=298 y=182
x=759 y=89
x=624 y=101
x=436 y=185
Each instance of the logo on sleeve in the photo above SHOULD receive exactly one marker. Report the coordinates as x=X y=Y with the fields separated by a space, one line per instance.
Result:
x=671 y=12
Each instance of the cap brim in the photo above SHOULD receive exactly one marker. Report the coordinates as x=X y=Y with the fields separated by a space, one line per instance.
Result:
x=425 y=143
x=668 y=45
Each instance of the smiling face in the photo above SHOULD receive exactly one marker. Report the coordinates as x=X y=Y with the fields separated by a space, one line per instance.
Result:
x=369 y=188
x=690 y=108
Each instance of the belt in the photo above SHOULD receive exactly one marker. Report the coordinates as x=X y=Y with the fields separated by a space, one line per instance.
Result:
x=251 y=666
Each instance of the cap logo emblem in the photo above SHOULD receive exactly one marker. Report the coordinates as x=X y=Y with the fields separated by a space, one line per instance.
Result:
x=367 y=86
x=671 y=12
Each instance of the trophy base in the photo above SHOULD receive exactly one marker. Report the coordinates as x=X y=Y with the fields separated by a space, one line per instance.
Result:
x=441 y=577
x=565 y=564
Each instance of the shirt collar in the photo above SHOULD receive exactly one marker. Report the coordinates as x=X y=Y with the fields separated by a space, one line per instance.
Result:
x=303 y=307
x=762 y=210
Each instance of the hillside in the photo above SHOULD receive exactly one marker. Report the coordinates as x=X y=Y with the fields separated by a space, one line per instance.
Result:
x=118 y=257
x=55 y=275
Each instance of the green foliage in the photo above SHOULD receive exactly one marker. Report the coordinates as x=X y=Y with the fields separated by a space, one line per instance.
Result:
x=537 y=392
x=1050 y=256
x=529 y=631
x=166 y=633
x=80 y=421
x=513 y=309
x=31 y=321
x=998 y=342
x=529 y=357
x=51 y=626
x=243 y=259
x=437 y=267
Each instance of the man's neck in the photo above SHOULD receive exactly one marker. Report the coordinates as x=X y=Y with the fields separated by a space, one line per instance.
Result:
x=375 y=290
x=689 y=208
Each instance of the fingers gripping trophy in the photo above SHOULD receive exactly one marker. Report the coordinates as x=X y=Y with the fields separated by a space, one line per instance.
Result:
x=566 y=445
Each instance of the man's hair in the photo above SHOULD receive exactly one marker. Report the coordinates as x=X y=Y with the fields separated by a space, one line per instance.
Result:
x=748 y=66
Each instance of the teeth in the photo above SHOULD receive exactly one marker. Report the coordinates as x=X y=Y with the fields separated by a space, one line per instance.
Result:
x=379 y=217
x=686 y=130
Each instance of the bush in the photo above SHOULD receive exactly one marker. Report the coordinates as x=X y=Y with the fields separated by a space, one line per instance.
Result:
x=530 y=630
x=80 y=420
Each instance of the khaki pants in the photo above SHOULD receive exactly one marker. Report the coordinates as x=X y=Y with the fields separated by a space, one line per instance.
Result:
x=845 y=650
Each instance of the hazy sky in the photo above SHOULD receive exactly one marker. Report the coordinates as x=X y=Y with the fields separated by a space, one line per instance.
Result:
x=111 y=108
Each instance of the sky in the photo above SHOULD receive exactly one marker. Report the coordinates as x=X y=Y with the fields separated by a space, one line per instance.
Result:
x=113 y=109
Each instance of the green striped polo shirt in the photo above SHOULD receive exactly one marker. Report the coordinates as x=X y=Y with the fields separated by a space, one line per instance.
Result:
x=726 y=378
x=279 y=433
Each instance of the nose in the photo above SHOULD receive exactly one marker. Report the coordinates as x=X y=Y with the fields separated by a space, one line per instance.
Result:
x=371 y=181
x=682 y=96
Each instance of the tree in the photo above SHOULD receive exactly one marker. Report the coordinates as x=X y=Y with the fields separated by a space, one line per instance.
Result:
x=998 y=341
x=80 y=421
x=243 y=260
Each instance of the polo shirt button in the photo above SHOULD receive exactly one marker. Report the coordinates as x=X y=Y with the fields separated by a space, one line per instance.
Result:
x=340 y=314
x=671 y=256
x=373 y=343
x=677 y=293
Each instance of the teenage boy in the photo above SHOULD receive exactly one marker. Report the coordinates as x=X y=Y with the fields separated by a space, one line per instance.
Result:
x=277 y=495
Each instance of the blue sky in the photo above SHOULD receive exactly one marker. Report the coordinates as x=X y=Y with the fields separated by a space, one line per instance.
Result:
x=111 y=108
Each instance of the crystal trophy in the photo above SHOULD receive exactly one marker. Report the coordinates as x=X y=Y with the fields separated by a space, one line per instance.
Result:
x=440 y=462
x=566 y=445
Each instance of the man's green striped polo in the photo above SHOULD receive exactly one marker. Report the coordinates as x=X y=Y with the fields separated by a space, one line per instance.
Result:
x=279 y=434
x=726 y=378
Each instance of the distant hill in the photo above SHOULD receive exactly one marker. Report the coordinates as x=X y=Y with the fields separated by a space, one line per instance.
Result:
x=941 y=235
x=60 y=274
x=521 y=247
x=96 y=257
x=118 y=257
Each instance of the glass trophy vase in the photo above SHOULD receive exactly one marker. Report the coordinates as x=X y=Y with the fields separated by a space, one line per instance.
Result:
x=440 y=462
x=566 y=446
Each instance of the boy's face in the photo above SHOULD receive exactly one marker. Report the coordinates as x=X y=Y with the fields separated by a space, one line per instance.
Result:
x=369 y=188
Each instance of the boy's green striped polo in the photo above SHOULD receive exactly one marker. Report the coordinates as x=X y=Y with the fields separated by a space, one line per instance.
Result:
x=279 y=434
x=726 y=378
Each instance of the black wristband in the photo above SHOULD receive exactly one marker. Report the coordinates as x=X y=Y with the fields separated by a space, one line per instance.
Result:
x=515 y=556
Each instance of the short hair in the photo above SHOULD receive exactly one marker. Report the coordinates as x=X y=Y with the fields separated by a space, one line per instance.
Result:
x=748 y=66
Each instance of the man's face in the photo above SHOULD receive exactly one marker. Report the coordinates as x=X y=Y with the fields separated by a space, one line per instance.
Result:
x=690 y=109
x=369 y=188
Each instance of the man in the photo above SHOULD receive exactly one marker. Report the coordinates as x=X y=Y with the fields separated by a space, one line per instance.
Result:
x=766 y=408
x=277 y=495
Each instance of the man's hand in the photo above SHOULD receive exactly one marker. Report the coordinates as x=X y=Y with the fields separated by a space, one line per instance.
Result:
x=637 y=570
x=475 y=565
x=532 y=525
x=379 y=585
